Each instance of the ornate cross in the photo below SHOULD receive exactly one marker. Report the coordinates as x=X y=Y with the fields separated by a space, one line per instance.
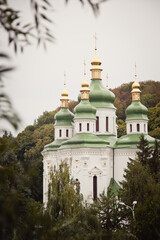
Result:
x=95 y=37
x=84 y=67
x=64 y=79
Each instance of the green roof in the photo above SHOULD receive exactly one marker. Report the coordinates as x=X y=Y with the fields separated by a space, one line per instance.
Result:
x=84 y=140
x=109 y=138
x=113 y=188
x=100 y=96
x=64 y=117
x=136 y=111
x=85 y=110
x=54 y=145
x=132 y=140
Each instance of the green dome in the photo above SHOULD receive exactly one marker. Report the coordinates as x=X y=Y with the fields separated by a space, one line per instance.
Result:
x=79 y=97
x=64 y=117
x=85 y=110
x=54 y=145
x=84 y=140
x=132 y=140
x=100 y=96
x=136 y=111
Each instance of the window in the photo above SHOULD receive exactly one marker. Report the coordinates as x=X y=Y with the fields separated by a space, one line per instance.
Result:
x=144 y=127
x=97 y=124
x=94 y=187
x=106 y=124
x=138 y=127
x=66 y=132
x=60 y=133
x=87 y=126
x=130 y=127
x=80 y=127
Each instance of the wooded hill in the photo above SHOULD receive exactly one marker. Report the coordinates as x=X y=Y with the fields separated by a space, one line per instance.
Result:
x=150 y=96
x=27 y=146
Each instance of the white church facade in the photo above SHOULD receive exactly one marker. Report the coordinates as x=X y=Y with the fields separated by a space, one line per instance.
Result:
x=87 y=140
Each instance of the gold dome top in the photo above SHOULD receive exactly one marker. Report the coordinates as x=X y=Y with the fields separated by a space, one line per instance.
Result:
x=95 y=60
x=135 y=84
x=136 y=89
x=64 y=95
x=85 y=86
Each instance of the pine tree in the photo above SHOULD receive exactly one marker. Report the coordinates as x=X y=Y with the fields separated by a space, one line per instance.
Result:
x=144 y=151
x=154 y=163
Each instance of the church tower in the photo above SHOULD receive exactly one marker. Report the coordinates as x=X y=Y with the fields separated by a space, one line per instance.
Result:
x=64 y=118
x=85 y=113
x=103 y=99
x=136 y=113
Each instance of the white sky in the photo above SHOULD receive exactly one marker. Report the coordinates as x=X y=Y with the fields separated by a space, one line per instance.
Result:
x=127 y=31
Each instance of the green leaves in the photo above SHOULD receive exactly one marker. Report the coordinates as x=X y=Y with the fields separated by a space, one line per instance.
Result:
x=142 y=183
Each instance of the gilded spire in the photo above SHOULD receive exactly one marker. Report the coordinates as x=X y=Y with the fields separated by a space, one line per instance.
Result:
x=64 y=95
x=96 y=69
x=85 y=86
x=136 y=88
x=95 y=38
x=107 y=80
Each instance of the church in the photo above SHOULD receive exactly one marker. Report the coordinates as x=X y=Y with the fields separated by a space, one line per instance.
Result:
x=87 y=140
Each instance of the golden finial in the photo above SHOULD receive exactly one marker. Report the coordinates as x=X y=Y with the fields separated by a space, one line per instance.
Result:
x=64 y=95
x=107 y=80
x=64 y=80
x=135 y=71
x=84 y=63
x=135 y=87
x=84 y=83
x=95 y=38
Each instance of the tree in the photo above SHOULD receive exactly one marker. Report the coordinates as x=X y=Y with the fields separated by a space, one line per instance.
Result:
x=64 y=202
x=110 y=217
x=141 y=183
x=144 y=153
x=121 y=128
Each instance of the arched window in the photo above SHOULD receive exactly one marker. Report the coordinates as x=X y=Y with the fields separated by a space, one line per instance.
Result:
x=144 y=127
x=130 y=127
x=66 y=132
x=97 y=124
x=80 y=127
x=106 y=124
x=138 y=127
x=60 y=133
x=87 y=126
x=94 y=187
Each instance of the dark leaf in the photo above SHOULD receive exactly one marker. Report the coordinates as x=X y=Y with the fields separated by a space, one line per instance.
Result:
x=46 y=18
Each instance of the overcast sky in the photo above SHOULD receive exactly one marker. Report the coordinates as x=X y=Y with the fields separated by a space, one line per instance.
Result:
x=128 y=31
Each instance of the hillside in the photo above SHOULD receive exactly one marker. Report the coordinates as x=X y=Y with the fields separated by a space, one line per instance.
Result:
x=150 y=96
x=27 y=146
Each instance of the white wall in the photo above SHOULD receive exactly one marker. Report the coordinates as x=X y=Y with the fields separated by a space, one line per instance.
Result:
x=134 y=123
x=102 y=113
x=84 y=125
x=85 y=163
x=121 y=158
x=63 y=132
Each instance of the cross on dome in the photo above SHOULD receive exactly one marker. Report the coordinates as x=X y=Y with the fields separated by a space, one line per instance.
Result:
x=107 y=80
x=95 y=38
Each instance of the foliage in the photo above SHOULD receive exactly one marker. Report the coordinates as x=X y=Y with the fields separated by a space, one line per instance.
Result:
x=110 y=216
x=7 y=111
x=26 y=149
x=21 y=33
x=150 y=96
x=142 y=183
x=121 y=128
x=154 y=121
